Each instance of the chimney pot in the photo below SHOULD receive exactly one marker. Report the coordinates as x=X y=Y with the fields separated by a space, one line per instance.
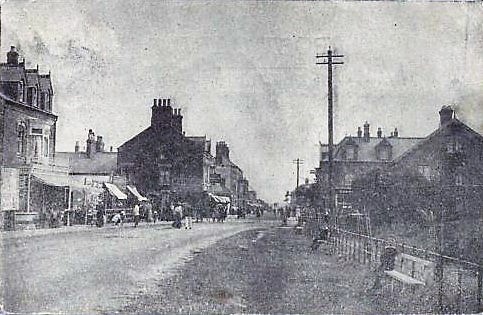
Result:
x=396 y=133
x=445 y=115
x=367 y=134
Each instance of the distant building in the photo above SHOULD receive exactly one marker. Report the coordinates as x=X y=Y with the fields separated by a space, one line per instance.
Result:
x=94 y=165
x=32 y=180
x=170 y=166
x=354 y=156
x=90 y=170
x=163 y=162
x=231 y=174
x=451 y=155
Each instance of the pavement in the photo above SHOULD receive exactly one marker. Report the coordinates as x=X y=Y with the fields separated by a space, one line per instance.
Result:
x=88 y=270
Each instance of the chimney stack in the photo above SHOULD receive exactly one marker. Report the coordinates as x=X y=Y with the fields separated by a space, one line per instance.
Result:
x=91 y=144
x=396 y=133
x=222 y=152
x=445 y=115
x=367 y=134
x=379 y=132
x=99 y=144
x=12 y=56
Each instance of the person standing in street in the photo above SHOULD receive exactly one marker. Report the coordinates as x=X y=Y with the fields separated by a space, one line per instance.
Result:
x=135 y=213
x=188 y=219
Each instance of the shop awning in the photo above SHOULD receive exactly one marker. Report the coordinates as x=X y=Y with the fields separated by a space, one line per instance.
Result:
x=133 y=190
x=57 y=180
x=116 y=192
x=220 y=199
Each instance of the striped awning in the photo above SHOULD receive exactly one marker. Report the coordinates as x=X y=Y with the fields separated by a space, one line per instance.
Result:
x=57 y=180
x=115 y=191
x=219 y=199
x=133 y=190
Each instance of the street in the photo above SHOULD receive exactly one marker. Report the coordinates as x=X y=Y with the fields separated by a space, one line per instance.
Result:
x=269 y=270
x=237 y=266
x=93 y=270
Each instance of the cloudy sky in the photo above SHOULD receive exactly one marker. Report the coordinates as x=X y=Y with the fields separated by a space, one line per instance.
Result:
x=245 y=72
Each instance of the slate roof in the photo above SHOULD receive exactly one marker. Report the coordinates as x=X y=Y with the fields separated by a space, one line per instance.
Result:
x=102 y=163
x=367 y=149
x=453 y=122
x=23 y=105
x=11 y=74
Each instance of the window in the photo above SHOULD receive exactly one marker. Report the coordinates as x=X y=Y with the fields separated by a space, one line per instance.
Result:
x=350 y=153
x=37 y=147
x=454 y=145
x=384 y=154
x=348 y=179
x=46 y=147
x=21 y=94
x=37 y=131
x=425 y=171
x=458 y=177
x=31 y=96
x=21 y=139
x=43 y=97
x=164 y=177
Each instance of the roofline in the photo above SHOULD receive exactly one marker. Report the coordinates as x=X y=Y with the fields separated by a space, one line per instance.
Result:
x=436 y=132
x=10 y=101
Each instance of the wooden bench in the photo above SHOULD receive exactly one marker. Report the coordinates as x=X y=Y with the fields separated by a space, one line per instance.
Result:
x=411 y=271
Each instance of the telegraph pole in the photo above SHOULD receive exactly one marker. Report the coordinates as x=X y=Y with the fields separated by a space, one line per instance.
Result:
x=298 y=162
x=329 y=61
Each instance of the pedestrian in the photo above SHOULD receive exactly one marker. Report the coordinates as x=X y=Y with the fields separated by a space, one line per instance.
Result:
x=135 y=213
x=116 y=219
x=123 y=217
x=188 y=219
x=178 y=215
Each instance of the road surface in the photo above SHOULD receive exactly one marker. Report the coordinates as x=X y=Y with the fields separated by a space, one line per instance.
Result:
x=93 y=270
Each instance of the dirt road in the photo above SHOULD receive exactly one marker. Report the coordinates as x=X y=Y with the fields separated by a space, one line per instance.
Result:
x=265 y=271
x=97 y=270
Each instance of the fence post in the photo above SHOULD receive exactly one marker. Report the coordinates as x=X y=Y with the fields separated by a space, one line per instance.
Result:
x=480 y=285
x=375 y=251
x=354 y=242
x=460 y=289
x=346 y=253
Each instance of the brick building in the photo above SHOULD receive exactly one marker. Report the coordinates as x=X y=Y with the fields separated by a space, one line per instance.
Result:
x=32 y=180
x=168 y=166
x=162 y=162
x=355 y=156
x=451 y=158
x=231 y=175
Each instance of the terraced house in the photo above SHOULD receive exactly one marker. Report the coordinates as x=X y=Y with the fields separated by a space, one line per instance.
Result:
x=32 y=183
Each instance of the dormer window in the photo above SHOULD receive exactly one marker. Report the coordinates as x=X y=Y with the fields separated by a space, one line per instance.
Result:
x=384 y=154
x=31 y=96
x=384 y=150
x=350 y=150
x=350 y=153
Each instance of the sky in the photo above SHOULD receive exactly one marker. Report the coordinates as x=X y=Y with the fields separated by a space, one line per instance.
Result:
x=245 y=73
